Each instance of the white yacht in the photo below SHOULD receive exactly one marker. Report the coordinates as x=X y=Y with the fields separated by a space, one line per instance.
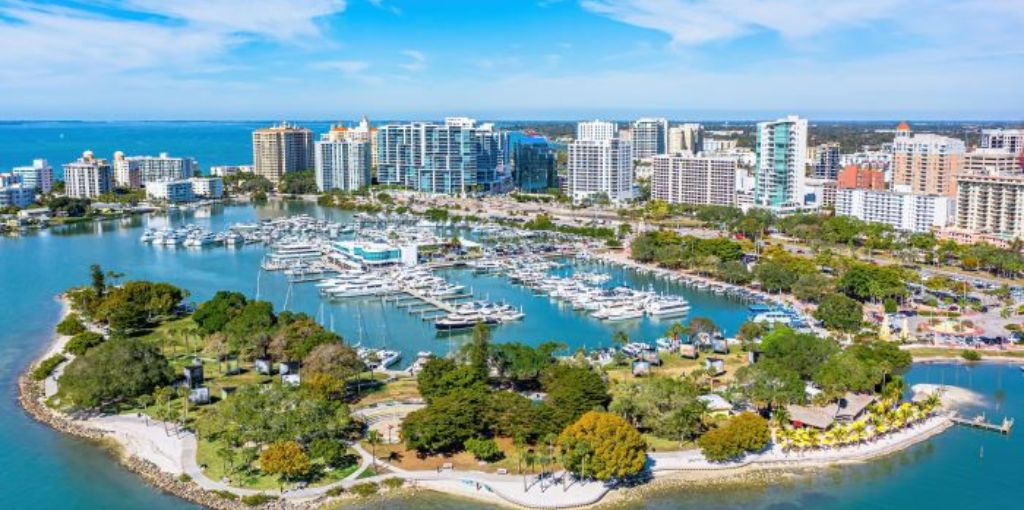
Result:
x=667 y=307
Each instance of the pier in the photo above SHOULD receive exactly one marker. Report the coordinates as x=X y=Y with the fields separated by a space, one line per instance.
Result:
x=980 y=422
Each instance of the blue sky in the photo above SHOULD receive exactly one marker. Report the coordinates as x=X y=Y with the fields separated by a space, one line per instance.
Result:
x=511 y=59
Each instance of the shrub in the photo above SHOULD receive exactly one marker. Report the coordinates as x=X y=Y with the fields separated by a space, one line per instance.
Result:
x=184 y=478
x=364 y=489
x=70 y=326
x=47 y=366
x=228 y=495
x=393 y=483
x=334 y=492
x=83 y=342
x=890 y=306
x=258 y=499
x=970 y=355
x=484 y=449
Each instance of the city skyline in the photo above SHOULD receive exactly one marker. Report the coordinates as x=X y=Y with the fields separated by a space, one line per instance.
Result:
x=321 y=59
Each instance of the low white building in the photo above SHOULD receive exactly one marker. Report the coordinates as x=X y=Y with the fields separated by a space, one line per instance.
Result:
x=170 y=191
x=207 y=187
x=17 y=195
x=902 y=210
x=229 y=170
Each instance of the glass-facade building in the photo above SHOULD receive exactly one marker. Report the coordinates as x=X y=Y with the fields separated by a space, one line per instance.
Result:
x=533 y=160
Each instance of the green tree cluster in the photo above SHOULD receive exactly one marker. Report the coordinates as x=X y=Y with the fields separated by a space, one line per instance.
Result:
x=745 y=433
x=113 y=371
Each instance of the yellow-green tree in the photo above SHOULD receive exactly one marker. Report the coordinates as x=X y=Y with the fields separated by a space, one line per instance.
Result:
x=745 y=433
x=285 y=459
x=603 y=446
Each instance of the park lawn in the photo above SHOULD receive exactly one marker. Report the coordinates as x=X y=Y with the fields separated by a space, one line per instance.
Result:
x=954 y=352
x=400 y=390
x=410 y=460
x=213 y=467
x=657 y=444
x=674 y=365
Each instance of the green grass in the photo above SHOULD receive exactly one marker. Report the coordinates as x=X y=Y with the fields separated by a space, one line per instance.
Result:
x=938 y=352
x=206 y=454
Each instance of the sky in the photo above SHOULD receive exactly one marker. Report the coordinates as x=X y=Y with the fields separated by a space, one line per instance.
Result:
x=511 y=59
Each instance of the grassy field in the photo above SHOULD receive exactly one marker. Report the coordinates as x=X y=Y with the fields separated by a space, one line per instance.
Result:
x=674 y=365
x=939 y=352
x=409 y=459
x=402 y=389
x=214 y=467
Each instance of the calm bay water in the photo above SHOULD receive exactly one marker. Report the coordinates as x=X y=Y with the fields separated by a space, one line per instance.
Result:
x=41 y=469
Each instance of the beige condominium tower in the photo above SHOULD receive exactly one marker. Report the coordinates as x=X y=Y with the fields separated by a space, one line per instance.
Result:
x=281 y=149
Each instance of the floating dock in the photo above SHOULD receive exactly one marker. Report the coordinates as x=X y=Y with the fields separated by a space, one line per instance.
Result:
x=980 y=422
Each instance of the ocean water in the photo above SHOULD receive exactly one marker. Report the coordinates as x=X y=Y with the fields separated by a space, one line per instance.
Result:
x=42 y=469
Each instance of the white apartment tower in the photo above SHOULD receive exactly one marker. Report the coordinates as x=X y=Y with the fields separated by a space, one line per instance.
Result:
x=600 y=163
x=650 y=138
x=699 y=180
x=126 y=172
x=88 y=177
x=39 y=176
x=991 y=203
x=1010 y=140
x=342 y=164
x=281 y=149
x=901 y=210
x=781 y=152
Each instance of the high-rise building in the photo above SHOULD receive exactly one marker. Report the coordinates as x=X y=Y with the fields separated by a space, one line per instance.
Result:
x=926 y=164
x=700 y=180
x=362 y=132
x=991 y=202
x=532 y=160
x=1010 y=140
x=126 y=172
x=281 y=149
x=686 y=138
x=712 y=145
x=901 y=210
x=229 y=170
x=991 y=160
x=600 y=164
x=827 y=161
x=596 y=130
x=779 y=171
x=88 y=177
x=650 y=138
x=39 y=176
x=342 y=164
x=455 y=157
x=858 y=177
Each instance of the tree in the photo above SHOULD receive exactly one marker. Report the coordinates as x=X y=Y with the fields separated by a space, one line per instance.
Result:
x=334 y=360
x=742 y=434
x=211 y=316
x=296 y=336
x=373 y=437
x=286 y=460
x=770 y=385
x=70 y=326
x=839 y=312
x=332 y=452
x=608 y=446
x=298 y=183
x=775 y=277
x=479 y=350
x=99 y=284
x=247 y=330
x=620 y=338
x=572 y=391
x=669 y=408
x=113 y=371
x=82 y=342
x=801 y=353
x=812 y=287
x=484 y=449
x=447 y=422
x=442 y=376
x=510 y=414
x=734 y=272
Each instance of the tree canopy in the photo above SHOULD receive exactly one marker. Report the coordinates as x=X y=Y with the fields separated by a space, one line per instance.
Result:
x=603 y=446
x=744 y=433
x=112 y=371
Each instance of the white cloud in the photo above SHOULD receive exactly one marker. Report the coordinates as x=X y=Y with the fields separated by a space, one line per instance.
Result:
x=418 y=61
x=345 y=66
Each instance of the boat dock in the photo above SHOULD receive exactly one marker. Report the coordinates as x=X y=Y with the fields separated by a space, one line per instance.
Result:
x=980 y=422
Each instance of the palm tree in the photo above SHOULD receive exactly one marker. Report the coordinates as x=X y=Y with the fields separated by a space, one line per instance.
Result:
x=675 y=331
x=620 y=338
x=373 y=437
